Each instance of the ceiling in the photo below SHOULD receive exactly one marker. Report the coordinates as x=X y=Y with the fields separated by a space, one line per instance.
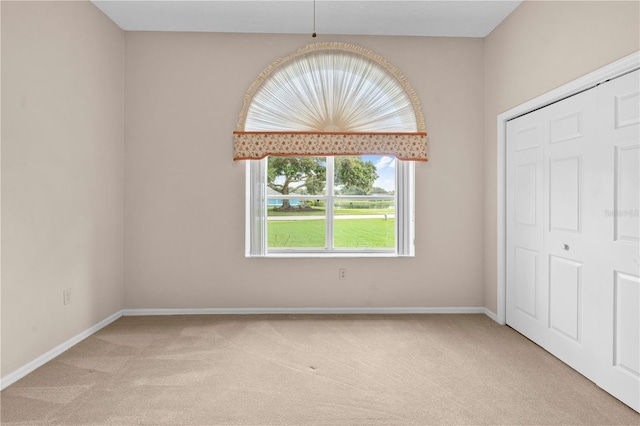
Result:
x=450 y=18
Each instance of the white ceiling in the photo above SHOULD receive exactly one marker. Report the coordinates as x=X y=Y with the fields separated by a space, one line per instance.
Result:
x=449 y=18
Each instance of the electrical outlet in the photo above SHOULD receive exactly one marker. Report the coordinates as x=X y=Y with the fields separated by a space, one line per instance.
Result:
x=342 y=273
x=66 y=296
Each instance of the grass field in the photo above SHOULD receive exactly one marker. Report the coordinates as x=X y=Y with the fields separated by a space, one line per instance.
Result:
x=348 y=233
x=320 y=211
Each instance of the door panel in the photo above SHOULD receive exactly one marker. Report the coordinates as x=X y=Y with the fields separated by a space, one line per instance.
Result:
x=618 y=326
x=627 y=109
x=627 y=323
x=547 y=242
x=565 y=284
x=626 y=193
x=526 y=137
x=525 y=194
x=569 y=229
x=526 y=280
x=566 y=127
x=564 y=194
x=526 y=295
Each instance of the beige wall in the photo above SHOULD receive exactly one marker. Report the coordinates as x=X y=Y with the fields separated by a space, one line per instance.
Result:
x=184 y=196
x=62 y=174
x=541 y=46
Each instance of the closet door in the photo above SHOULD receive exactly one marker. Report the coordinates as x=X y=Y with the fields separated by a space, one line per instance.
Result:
x=526 y=290
x=573 y=232
x=551 y=228
x=618 y=194
x=570 y=243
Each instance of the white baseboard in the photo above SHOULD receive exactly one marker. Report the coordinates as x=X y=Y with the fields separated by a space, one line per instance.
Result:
x=289 y=311
x=43 y=359
x=493 y=316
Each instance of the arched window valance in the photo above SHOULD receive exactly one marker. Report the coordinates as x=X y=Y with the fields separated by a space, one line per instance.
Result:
x=331 y=99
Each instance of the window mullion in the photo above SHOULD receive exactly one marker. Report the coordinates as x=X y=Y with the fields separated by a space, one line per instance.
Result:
x=400 y=212
x=406 y=207
x=256 y=227
x=329 y=204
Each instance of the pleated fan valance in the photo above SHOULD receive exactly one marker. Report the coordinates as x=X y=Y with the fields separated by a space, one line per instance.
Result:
x=331 y=99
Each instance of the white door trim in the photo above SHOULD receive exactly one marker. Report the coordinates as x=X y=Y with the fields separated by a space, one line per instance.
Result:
x=616 y=69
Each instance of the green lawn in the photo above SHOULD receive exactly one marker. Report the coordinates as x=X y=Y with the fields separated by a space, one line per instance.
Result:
x=348 y=233
x=320 y=211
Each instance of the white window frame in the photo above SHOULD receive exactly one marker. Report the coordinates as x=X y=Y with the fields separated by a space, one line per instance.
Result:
x=256 y=216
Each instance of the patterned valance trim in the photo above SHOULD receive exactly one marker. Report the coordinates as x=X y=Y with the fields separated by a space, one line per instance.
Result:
x=249 y=145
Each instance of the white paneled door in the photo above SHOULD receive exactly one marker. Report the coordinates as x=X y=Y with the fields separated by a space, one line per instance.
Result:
x=573 y=240
x=619 y=238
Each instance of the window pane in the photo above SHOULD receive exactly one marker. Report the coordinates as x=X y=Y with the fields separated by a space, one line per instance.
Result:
x=303 y=227
x=296 y=175
x=296 y=229
x=365 y=175
x=364 y=224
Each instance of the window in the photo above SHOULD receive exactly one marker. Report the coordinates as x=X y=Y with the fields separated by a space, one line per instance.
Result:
x=330 y=206
x=330 y=134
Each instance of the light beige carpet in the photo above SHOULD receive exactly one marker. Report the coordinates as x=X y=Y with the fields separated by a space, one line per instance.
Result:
x=308 y=370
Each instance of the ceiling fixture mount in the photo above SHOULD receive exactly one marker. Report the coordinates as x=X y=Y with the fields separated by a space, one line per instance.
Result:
x=314 y=20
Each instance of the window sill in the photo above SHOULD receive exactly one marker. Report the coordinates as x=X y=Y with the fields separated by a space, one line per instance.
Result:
x=328 y=255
